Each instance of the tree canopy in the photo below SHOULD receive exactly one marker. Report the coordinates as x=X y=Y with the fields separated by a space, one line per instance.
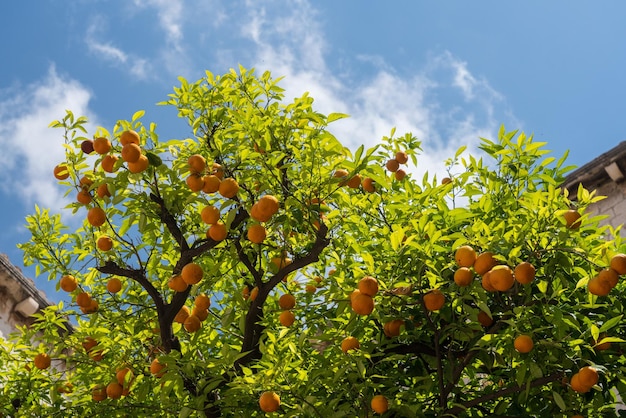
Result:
x=259 y=265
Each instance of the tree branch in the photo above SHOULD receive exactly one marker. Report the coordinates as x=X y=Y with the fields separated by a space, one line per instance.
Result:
x=170 y=222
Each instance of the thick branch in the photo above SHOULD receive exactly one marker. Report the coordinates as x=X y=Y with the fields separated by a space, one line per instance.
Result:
x=170 y=222
x=139 y=276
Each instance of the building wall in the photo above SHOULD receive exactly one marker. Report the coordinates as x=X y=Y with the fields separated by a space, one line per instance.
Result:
x=614 y=206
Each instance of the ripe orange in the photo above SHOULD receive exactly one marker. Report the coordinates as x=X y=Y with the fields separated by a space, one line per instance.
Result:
x=577 y=385
x=202 y=301
x=484 y=319
x=434 y=300
x=523 y=343
x=218 y=171
x=192 y=273
x=588 y=376
x=140 y=165
x=254 y=293
x=598 y=287
x=89 y=343
x=354 y=182
x=68 y=283
x=267 y=207
x=362 y=304
x=131 y=152
x=108 y=163
x=102 y=145
x=309 y=288
x=210 y=215
x=379 y=404
x=484 y=262
x=114 y=285
x=197 y=163
x=42 y=361
x=129 y=137
x=182 y=314
x=192 y=323
x=269 y=402
x=229 y=188
x=286 y=318
x=114 y=390
x=286 y=302
x=103 y=190
x=92 y=308
x=392 y=328
x=201 y=314
x=463 y=276
x=341 y=173
x=96 y=216
x=349 y=343
x=572 y=219
x=369 y=185
x=465 y=256
x=402 y=157
x=400 y=174
x=157 y=368
x=85 y=183
x=368 y=286
x=392 y=165
x=217 y=232
x=195 y=182
x=446 y=180
x=524 y=272
x=61 y=172
x=83 y=197
x=610 y=276
x=99 y=393
x=211 y=183
x=124 y=376
x=96 y=355
x=257 y=233
x=501 y=278
x=83 y=299
x=104 y=243
x=281 y=261
x=618 y=263
x=177 y=284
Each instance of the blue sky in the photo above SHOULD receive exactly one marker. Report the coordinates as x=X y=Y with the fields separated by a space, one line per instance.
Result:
x=449 y=72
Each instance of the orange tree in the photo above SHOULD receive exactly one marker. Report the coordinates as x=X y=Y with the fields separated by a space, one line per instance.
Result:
x=259 y=266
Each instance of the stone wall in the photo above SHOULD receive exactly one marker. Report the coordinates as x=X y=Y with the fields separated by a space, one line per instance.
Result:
x=614 y=206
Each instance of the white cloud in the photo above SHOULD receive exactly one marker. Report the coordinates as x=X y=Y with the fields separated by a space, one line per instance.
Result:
x=31 y=149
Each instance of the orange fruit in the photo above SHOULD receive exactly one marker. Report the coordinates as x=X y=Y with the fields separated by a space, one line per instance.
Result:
x=92 y=308
x=114 y=285
x=434 y=300
x=103 y=190
x=354 y=182
x=89 y=343
x=392 y=165
x=286 y=302
x=61 y=172
x=269 y=402
x=267 y=207
x=140 y=165
x=85 y=183
x=211 y=183
x=201 y=314
x=577 y=385
x=210 y=215
x=369 y=185
x=484 y=319
x=257 y=233
x=281 y=261
x=486 y=282
x=192 y=273
x=362 y=304
x=102 y=145
x=379 y=404
x=501 y=278
x=392 y=328
x=202 y=301
x=68 y=283
x=114 y=390
x=463 y=276
x=402 y=157
x=286 y=318
x=197 y=164
x=99 y=393
x=96 y=355
x=523 y=343
x=96 y=216
x=83 y=197
x=254 y=293
x=229 y=188
x=400 y=174
x=157 y=368
x=465 y=256
x=217 y=232
x=368 y=286
x=195 y=182
x=572 y=219
x=217 y=170
x=598 y=287
x=610 y=276
x=131 y=152
x=192 y=323
x=349 y=343
x=446 y=180
x=42 y=361
x=177 y=284
x=600 y=346
x=588 y=376
x=108 y=163
x=484 y=262
x=182 y=314
x=524 y=272
x=104 y=243
x=83 y=299
x=618 y=263
x=341 y=173
x=129 y=137
x=124 y=376
x=309 y=288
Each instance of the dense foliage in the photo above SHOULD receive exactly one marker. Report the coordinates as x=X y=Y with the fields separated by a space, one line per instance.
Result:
x=440 y=339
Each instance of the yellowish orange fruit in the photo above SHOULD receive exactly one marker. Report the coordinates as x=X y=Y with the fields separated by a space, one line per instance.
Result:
x=485 y=262
x=83 y=299
x=182 y=314
x=192 y=323
x=210 y=215
x=84 y=197
x=129 y=137
x=287 y=302
x=400 y=174
x=114 y=390
x=192 y=273
x=99 y=393
x=523 y=343
x=392 y=328
x=598 y=287
x=465 y=256
x=195 y=182
x=102 y=145
x=434 y=300
x=68 y=283
x=379 y=404
x=108 y=163
x=114 y=285
x=588 y=376
x=140 y=165
x=157 y=368
x=361 y=303
x=257 y=233
x=269 y=402
x=103 y=191
x=131 y=152
x=177 y=284
x=201 y=314
x=501 y=278
x=524 y=272
x=266 y=207
x=369 y=185
x=392 y=165
x=572 y=219
x=202 y=301
x=211 y=183
x=402 y=157
x=104 y=243
x=96 y=216
x=197 y=164
x=42 y=361
x=217 y=231
x=354 y=182
x=61 y=171
x=349 y=343
x=310 y=288
x=286 y=318
x=463 y=276
x=229 y=188
x=610 y=276
x=446 y=180
x=368 y=286
x=124 y=376
x=618 y=263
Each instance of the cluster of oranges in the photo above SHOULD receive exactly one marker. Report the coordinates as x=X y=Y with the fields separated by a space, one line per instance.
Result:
x=209 y=180
x=191 y=319
x=118 y=387
x=584 y=379
x=362 y=298
x=286 y=303
x=261 y=211
x=393 y=165
x=606 y=279
x=86 y=303
x=355 y=181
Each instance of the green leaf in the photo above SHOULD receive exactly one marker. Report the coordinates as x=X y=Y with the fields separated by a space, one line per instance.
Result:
x=336 y=116
x=611 y=323
x=559 y=401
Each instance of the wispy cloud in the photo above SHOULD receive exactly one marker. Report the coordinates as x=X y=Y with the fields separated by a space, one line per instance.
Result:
x=31 y=149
